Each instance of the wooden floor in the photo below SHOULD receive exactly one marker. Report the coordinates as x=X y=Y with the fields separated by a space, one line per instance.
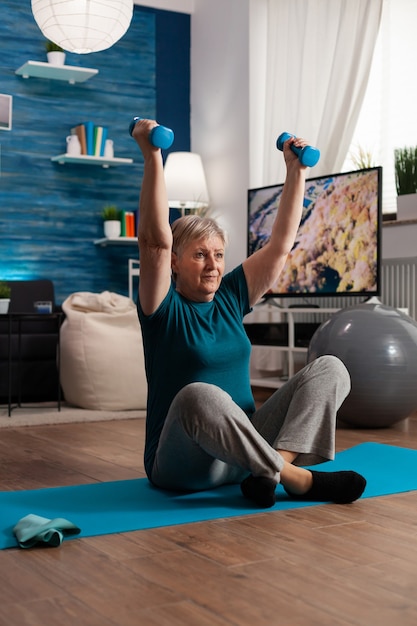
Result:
x=330 y=565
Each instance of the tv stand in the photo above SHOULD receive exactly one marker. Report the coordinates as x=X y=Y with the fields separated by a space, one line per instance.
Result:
x=270 y=314
x=304 y=306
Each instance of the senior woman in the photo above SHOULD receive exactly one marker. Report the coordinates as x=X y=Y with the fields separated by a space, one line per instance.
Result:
x=202 y=427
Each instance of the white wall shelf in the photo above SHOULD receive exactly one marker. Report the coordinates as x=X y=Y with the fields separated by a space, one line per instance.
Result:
x=69 y=73
x=117 y=241
x=86 y=159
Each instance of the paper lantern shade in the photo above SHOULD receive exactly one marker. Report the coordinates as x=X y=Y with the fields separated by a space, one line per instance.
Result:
x=83 y=26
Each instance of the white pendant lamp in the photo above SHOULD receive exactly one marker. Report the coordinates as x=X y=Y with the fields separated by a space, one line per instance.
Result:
x=83 y=26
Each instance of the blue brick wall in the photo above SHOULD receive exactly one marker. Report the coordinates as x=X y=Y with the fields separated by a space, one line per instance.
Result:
x=50 y=213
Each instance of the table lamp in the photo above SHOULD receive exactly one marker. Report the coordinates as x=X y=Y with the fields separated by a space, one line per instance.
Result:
x=186 y=183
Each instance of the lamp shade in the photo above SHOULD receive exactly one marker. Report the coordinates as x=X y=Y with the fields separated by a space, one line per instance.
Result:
x=83 y=26
x=185 y=181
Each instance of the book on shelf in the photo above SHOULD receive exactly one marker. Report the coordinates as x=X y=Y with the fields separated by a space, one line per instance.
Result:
x=132 y=228
x=92 y=138
x=122 y=223
x=89 y=133
x=100 y=136
x=79 y=130
x=128 y=224
x=103 y=140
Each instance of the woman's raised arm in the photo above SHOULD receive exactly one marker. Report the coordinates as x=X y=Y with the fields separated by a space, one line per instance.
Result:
x=154 y=231
x=263 y=268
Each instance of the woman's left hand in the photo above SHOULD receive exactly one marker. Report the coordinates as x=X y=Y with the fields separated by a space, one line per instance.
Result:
x=289 y=155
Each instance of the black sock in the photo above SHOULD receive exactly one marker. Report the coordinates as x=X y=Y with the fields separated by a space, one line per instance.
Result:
x=339 y=487
x=260 y=490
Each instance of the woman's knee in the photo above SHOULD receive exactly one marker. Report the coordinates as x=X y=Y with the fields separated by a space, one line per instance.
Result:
x=198 y=393
x=199 y=405
x=333 y=366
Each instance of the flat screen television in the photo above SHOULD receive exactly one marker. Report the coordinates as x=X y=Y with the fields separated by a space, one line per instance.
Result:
x=337 y=251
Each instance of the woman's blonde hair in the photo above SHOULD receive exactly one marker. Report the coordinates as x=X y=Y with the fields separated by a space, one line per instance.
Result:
x=193 y=227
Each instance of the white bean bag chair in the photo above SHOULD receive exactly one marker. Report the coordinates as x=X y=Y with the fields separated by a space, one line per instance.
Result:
x=102 y=363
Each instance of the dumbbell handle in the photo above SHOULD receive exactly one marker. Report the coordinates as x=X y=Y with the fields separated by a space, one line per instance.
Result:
x=308 y=155
x=159 y=136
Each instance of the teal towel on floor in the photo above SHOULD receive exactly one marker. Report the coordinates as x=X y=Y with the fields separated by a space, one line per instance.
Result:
x=128 y=505
x=34 y=529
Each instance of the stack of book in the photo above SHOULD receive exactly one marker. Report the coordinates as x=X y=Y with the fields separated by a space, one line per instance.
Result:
x=128 y=224
x=92 y=138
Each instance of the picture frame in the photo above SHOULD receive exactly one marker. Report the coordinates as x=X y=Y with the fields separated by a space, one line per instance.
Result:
x=6 y=106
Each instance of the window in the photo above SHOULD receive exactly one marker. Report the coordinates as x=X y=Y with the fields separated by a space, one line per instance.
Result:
x=388 y=115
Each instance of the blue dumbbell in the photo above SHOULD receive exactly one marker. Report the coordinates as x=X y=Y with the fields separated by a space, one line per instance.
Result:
x=160 y=136
x=308 y=155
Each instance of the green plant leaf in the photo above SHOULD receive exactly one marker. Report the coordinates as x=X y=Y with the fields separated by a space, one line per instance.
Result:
x=405 y=170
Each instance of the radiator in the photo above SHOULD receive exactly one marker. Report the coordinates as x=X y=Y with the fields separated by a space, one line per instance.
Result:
x=399 y=284
x=398 y=289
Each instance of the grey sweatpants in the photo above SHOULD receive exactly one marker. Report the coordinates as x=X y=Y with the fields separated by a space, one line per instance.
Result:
x=207 y=440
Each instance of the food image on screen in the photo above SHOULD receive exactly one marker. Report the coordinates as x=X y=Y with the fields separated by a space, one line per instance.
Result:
x=337 y=248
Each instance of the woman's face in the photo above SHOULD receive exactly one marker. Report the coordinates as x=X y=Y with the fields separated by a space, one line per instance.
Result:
x=199 y=269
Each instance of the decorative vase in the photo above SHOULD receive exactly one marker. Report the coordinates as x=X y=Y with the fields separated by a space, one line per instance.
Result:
x=55 y=57
x=407 y=206
x=109 y=149
x=112 y=229
x=73 y=145
x=4 y=305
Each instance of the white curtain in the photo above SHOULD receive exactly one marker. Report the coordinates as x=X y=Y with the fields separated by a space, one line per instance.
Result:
x=309 y=66
x=387 y=118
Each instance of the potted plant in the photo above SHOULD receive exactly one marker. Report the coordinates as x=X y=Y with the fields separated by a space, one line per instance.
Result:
x=362 y=158
x=54 y=53
x=111 y=217
x=5 y=293
x=405 y=160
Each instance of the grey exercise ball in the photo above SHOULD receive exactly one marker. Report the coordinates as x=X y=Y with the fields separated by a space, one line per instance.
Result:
x=378 y=345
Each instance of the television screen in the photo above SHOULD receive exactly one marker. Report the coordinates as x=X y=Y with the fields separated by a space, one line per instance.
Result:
x=337 y=250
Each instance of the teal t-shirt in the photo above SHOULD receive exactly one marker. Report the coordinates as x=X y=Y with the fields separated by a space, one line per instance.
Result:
x=187 y=342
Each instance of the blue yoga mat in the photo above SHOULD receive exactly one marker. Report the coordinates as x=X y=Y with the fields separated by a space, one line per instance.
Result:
x=127 y=505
